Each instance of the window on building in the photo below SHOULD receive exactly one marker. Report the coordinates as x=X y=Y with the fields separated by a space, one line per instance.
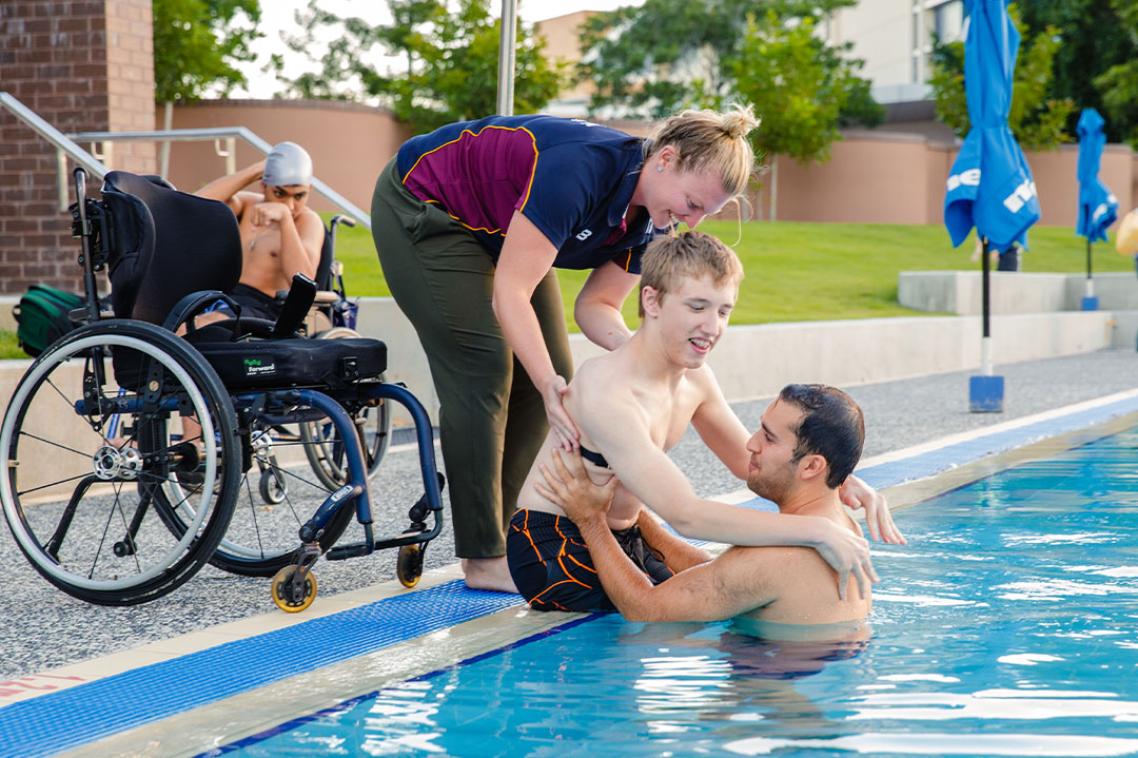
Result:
x=947 y=20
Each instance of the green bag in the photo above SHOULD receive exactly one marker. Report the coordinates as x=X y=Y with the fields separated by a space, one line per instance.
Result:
x=42 y=317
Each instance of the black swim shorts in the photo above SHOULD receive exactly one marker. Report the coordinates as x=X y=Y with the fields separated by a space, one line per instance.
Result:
x=255 y=303
x=553 y=570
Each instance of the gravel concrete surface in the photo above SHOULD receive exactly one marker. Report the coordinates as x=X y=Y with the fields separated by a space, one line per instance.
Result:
x=41 y=627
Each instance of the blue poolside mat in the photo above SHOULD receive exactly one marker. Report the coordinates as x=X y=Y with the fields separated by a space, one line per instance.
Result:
x=87 y=712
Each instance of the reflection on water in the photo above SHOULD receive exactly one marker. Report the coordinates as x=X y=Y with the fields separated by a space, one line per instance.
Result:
x=1006 y=627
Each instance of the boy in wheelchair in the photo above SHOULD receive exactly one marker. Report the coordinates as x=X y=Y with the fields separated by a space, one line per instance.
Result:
x=280 y=235
x=97 y=493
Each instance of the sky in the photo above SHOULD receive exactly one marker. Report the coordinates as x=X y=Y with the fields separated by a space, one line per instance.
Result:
x=277 y=16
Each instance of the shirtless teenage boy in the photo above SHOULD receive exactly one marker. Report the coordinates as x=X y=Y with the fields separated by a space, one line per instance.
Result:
x=280 y=234
x=632 y=405
x=809 y=441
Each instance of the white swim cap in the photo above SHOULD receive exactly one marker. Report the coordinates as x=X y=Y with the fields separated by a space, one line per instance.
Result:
x=287 y=164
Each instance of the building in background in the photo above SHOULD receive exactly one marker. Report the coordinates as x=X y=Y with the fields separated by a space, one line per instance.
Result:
x=562 y=44
x=895 y=39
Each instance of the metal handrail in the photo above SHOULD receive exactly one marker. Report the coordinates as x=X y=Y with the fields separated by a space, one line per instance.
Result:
x=218 y=133
x=66 y=147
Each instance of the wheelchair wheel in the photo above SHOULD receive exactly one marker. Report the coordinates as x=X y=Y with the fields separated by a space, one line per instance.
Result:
x=284 y=596
x=91 y=436
x=263 y=535
x=272 y=487
x=409 y=564
x=324 y=451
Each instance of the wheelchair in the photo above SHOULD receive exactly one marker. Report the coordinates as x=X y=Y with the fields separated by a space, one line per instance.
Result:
x=130 y=448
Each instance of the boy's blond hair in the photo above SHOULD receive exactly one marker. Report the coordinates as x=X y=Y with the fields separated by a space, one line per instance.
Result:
x=707 y=139
x=690 y=255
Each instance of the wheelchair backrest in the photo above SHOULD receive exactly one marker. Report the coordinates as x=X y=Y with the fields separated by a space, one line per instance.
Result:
x=165 y=244
x=323 y=276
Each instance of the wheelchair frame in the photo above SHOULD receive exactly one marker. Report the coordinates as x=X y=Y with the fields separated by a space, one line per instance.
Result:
x=173 y=379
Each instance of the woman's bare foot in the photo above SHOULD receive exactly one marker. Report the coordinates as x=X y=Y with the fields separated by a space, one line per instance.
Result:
x=488 y=574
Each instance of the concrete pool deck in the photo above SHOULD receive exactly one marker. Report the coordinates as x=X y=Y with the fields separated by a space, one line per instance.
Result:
x=911 y=424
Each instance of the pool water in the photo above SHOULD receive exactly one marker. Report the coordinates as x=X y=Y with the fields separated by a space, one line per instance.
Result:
x=1008 y=626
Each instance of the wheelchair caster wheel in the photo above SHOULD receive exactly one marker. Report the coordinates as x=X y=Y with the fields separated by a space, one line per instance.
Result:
x=273 y=487
x=409 y=565
x=289 y=597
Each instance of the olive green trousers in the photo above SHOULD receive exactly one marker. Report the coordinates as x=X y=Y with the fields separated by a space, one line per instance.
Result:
x=491 y=419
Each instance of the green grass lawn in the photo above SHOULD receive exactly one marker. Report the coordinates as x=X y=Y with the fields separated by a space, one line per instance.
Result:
x=808 y=272
x=9 y=348
x=795 y=271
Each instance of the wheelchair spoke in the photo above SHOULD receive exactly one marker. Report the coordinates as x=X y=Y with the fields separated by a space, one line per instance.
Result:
x=293 y=475
x=287 y=499
x=253 y=511
x=103 y=537
x=37 y=488
x=53 y=443
x=96 y=428
x=160 y=480
x=126 y=527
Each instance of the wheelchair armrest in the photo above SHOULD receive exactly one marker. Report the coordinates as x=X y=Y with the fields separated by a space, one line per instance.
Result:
x=193 y=304
x=323 y=297
x=296 y=305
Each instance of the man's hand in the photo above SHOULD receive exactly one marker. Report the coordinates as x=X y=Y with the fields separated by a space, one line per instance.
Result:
x=265 y=214
x=857 y=494
x=568 y=485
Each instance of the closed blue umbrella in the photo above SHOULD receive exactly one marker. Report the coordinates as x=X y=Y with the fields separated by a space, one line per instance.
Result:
x=1098 y=207
x=990 y=185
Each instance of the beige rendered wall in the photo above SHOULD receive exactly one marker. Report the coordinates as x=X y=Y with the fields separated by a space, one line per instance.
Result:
x=938 y=162
x=1058 y=187
x=877 y=177
x=349 y=143
x=869 y=179
x=872 y=177
x=562 y=43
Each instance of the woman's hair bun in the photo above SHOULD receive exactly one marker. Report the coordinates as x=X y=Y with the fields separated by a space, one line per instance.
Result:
x=739 y=121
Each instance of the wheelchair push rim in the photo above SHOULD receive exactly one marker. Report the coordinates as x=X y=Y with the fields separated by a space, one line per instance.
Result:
x=111 y=475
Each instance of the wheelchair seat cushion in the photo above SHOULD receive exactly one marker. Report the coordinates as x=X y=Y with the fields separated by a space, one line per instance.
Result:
x=281 y=363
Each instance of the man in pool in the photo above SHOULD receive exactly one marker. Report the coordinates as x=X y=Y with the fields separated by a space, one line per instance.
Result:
x=280 y=234
x=809 y=441
x=635 y=403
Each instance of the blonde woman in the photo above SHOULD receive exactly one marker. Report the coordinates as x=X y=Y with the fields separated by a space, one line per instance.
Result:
x=470 y=221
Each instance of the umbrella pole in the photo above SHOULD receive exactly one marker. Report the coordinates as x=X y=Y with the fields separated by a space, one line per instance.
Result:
x=507 y=57
x=1090 y=286
x=986 y=340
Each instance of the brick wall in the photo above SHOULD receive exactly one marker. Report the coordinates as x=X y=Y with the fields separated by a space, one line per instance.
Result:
x=82 y=65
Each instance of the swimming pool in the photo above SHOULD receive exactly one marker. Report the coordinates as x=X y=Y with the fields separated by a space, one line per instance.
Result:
x=1006 y=627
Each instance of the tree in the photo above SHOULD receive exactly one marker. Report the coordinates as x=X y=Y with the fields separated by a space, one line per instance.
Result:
x=196 y=44
x=1118 y=85
x=1090 y=68
x=1039 y=122
x=798 y=85
x=451 y=61
x=689 y=56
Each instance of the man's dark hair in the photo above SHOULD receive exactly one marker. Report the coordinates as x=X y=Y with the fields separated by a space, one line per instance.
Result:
x=832 y=426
